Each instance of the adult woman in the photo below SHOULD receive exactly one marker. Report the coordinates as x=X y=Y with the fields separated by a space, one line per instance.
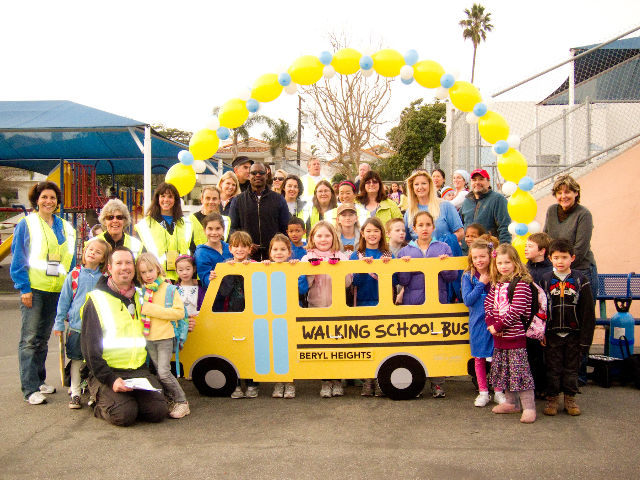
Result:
x=397 y=196
x=374 y=200
x=461 y=179
x=292 y=190
x=164 y=232
x=324 y=199
x=115 y=218
x=210 y=203
x=422 y=196
x=43 y=251
x=229 y=188
x=278 y=180
x=438 y=180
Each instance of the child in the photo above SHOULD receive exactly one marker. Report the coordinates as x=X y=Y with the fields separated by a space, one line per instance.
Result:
x=476 y=282
x=323 y=245
x=413 y=282
x=158 y=328
x=280 y=252
x=570 y=326
x=96 y=230
x=347 y=227
x=473 y=232
x=396 y=234
x=189 y=288
x=296 y=233
x=72 y=297
x=208 y=255
x=372 y=246
x=510 y=368
x=447 y=193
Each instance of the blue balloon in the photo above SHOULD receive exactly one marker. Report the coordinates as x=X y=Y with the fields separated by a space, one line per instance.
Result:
x=480 y=109
x=185 y=157
x=525 y=184
x=325 y=58
x=252 y=105
x=284 y=79
x=223 y=133
x=366 y=62
x=501 y=147
x=447 y=80
x=407 y=81
x=521 y=229
x=411 y=57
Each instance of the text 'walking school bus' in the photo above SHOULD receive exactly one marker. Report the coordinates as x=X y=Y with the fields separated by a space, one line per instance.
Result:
x=276 y=340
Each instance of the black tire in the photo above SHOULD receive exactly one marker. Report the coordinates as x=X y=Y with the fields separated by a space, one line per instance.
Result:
x=214 y=377
x=386 y=378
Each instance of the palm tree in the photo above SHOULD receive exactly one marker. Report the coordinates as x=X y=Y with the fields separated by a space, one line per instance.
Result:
x=476 y=26
x=279 y=138
x=242 y=131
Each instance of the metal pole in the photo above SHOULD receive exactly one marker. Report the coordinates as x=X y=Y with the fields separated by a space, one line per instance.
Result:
x=572 y=101
x=299 y=130
x=147 y=167
x=61 y=187
x=586 y=103
x=564 y=136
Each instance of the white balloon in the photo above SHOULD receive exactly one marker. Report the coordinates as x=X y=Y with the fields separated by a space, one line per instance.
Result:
x=212 y=123
x=367 y=73
x=493 y=150
x=455 y=71
x=199 y=166
x=367 y=50
x=406 y=72
x=514 y=142
x=244 y=94
x=291 y=88
x=281 y=68
x=509 y=188
x=442 y=93
x=472 y=119
x=328 y=71
x=534 y=227
x=512 y=228
x=489 y=102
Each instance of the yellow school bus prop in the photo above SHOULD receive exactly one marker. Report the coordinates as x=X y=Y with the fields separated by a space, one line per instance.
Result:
x=276 y=340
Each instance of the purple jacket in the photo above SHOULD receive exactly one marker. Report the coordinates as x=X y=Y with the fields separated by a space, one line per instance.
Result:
x=413 y=282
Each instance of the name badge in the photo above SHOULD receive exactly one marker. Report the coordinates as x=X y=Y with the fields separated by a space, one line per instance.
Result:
x=172 y=256
x=53 y=261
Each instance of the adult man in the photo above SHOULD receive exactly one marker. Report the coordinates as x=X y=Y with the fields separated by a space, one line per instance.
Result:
x=311 y=179
x=241 y=166
x=113 y=346
x=260 y=212
x=362 y=170
x=486 y=207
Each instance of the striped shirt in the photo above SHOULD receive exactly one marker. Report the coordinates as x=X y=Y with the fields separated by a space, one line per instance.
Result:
x=506 y=317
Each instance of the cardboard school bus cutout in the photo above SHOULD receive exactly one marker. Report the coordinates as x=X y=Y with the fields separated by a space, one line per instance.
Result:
x=276 y=340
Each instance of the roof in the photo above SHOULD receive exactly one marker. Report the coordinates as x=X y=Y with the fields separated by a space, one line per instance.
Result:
x=35 y=135
x=258 y=149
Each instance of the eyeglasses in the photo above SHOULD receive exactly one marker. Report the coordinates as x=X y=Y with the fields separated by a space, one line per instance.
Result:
x=371 y=182
x=111 y=217
x=279 y=179
x=258 y=172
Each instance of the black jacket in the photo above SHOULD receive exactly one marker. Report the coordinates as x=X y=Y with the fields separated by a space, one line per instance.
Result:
x=539 y=269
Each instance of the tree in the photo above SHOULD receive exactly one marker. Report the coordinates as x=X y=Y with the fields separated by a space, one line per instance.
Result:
x=175 y=134
x=418 y=131
x=280 y=137
x=242 y=132
x=476 y=26
x=346 y=111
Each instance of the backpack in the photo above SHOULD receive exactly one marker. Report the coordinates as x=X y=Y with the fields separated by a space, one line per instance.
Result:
x=534 y=324
x=75 y=274
x=180 y=328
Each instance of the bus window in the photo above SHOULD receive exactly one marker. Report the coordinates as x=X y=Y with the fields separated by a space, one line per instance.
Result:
x=364 y=290
x=411 y=291
x=230 y=296
x=316 y=289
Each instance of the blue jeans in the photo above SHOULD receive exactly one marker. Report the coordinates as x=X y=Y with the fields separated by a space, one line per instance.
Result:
x=160 y=352
x=592 y=275
x=37 y=323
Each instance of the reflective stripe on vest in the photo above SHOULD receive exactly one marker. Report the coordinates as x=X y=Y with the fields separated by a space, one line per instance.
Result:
x=144 y=231
x=133 y=244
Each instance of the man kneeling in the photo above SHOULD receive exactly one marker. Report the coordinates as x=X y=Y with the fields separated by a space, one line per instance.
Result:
x=113 y=346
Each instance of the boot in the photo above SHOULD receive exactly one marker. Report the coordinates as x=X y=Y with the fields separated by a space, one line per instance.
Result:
x=552 y=406
x=570 y=406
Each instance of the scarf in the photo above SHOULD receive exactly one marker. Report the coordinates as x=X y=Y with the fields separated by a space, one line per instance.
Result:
x=564 y=214
x=127 y=292
x=149 y=288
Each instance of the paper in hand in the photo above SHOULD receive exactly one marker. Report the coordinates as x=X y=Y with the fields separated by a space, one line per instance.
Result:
x=141 y=384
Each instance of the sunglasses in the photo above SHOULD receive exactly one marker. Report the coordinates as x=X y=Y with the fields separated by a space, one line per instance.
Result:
x=279 y=179
x=111 y=217
x=258 y=172
x=371 y=182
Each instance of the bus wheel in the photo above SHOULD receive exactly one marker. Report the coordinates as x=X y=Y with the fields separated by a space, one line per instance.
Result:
x=215 y=377
x=401 y=377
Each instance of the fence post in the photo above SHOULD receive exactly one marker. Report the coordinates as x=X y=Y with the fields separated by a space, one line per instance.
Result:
x=564 y=136
x=588 y=107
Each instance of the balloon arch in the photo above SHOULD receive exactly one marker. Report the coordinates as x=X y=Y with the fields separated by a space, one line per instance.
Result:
x=309 y=69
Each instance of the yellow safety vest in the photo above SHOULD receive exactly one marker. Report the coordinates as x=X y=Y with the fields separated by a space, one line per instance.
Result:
x=309 y=185
x=123 y=343
x=132 y=243
x=199 y=238
x=43 y=243
x=157 y=240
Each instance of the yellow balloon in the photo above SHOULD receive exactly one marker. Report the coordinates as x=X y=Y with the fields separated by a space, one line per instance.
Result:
x=493 y=127
x=519 y=243
x=464 y=95
x=512 y=165
x=204 y=144
x=233 y=113
x=346 y=61
x=183 y=177
x=388 y=62
x=266 y=88
x=522 y=207
x=306 y=70
x=427 y=73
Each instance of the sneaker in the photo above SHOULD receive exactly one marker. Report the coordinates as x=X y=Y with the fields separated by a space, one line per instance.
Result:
x=238 y=393
x=180 y=410
x=36 y=398
x=482 y=399
x=289 y=391
x=336 y=389
x=437 y=391
x=252 y=392
x=75 y=402
x=278 y=390
x=325 y=391
x=499 y=398
x=91 y=402
x=367 y=388
x=378 y=390
x=44 y=388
